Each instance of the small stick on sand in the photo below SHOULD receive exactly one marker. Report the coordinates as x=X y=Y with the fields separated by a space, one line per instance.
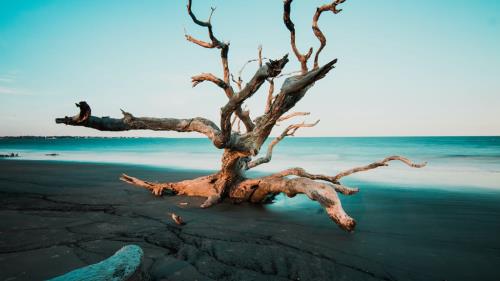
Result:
x=177 y=219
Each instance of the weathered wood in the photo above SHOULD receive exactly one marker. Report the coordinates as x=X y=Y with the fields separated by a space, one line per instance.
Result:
x=321 y=37
x=302 y=58
x=130 y=122
x=177 y=219
x=241 y=149
x=289 y=131
x=124 y=265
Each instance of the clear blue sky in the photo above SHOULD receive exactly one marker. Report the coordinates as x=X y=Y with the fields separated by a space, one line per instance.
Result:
x=405 y=67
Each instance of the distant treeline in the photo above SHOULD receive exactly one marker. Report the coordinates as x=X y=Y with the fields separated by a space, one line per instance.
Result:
x=65 y=137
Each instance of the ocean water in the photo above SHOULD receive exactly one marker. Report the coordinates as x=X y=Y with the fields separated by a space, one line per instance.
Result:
x=453 y=162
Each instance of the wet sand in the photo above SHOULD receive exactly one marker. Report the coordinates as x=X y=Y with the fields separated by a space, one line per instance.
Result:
x=57 y=216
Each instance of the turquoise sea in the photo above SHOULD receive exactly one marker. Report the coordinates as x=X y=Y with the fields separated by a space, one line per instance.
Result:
x=453 y=162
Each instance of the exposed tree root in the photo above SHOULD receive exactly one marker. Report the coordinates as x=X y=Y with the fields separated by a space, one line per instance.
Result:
x=259 y=190
x=202 y=186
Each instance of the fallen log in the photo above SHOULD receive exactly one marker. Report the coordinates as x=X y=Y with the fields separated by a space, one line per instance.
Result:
x=124 y=265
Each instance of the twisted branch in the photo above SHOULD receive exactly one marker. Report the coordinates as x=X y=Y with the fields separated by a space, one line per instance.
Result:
x=215 y=43
x=242 y=115
x=197 y=79
x=268 y=70
x=291 y=27
x=377 y=164
x=321 y=37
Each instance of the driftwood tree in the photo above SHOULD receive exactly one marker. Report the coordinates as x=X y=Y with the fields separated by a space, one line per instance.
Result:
x=241 y=148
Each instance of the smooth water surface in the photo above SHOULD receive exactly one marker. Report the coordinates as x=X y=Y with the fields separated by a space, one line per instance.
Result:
x=453 y=162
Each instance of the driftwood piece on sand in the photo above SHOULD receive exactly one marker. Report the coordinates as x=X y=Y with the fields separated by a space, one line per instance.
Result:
x=124 y=265
x=177 y=219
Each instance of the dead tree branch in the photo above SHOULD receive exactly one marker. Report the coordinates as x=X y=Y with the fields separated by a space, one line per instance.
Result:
x=269 y=70
x=321 y=37
x=377 y=164
x=239 y=80
x=130 y=122
x=292 y=91
x=197 y=79
x=289 y=131
x=270 y=96
x=291 y=27
x=215 y=43
x=334 y=182
x=291 y=115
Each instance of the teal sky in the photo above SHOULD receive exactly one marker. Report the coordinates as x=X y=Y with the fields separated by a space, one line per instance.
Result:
x=429 y=67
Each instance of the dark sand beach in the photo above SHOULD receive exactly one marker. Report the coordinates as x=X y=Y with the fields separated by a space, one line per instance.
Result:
x=56 y=217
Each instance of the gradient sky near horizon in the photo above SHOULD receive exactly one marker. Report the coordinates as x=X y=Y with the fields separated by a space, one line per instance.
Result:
x=405 y=67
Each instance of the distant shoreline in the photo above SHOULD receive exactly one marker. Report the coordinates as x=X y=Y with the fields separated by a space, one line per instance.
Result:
x=202 y=137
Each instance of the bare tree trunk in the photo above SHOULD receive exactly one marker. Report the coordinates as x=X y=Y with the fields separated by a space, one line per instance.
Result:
x=241 y=149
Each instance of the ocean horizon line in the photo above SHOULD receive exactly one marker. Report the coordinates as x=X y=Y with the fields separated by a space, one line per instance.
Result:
x=203 y=137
